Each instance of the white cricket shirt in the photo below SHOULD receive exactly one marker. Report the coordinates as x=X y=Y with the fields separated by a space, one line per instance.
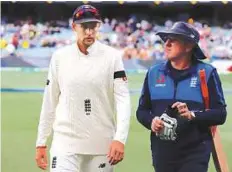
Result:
x=80 y=99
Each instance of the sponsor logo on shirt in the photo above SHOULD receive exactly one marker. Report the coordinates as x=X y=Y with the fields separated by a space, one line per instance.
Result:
x=160 y=82
x=160 y=85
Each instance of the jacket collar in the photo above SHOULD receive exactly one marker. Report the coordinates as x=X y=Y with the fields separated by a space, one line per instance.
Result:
x=165 y=67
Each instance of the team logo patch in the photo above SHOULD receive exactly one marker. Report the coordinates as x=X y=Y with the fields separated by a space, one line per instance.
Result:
x=193 y=82
x=54 y=161
x=87 y=103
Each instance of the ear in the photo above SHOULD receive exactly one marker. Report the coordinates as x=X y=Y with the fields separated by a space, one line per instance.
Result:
x=99 y=24
x=73 y=26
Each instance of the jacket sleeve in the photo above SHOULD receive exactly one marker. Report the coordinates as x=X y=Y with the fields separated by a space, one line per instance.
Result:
x=217 y=113
x=122 y=100
x=143 y=112
x=50 y=100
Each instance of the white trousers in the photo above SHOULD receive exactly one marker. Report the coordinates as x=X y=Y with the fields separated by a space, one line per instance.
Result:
x=79 y=163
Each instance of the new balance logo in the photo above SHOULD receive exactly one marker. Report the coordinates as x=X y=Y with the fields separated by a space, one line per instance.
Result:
x=103 y=165
x=193 y=82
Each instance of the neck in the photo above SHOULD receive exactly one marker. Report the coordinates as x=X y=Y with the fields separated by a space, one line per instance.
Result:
x=83 y=48
x=181 y=63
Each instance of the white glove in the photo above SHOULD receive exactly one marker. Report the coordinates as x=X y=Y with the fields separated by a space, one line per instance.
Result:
x=169 y=130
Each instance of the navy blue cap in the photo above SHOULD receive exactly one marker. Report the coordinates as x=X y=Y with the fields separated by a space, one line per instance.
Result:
x=86 y=13
x=187 y=32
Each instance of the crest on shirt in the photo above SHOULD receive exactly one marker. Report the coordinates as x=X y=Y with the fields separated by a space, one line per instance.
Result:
x=87 y=103
x=193 y=82
x=160 y=81
x=54 y=161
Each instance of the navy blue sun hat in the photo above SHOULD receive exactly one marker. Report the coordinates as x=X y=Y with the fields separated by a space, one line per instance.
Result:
x=86 y=13
x=187 y=32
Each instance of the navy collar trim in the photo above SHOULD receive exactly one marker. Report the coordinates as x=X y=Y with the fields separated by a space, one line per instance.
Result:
x=165 y=67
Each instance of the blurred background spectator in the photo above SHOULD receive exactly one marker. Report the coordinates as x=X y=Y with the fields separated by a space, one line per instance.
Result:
x=32 y=36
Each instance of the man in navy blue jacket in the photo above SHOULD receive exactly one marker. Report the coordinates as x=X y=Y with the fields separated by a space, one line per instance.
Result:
x=176 y=83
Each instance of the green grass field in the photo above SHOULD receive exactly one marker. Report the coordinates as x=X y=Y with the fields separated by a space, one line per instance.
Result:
x=20 y=115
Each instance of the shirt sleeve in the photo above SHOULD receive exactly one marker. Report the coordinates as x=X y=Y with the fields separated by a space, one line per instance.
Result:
x=122 y=100
x=50 y=101
x=143 y=112
x=217 y=113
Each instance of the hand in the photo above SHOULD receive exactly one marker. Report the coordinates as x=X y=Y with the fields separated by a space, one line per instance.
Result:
x=116 y=152
x=183 y=110
x=41 y=157
x=157 y=125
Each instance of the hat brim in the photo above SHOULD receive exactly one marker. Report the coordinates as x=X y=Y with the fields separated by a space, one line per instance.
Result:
x=163 y=34
x=197 y=52
x=87 y=20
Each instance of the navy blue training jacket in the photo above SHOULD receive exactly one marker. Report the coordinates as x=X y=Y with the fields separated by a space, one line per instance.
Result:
x=164 y=86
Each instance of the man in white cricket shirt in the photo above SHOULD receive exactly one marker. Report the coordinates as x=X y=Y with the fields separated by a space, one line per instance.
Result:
x=86 y=87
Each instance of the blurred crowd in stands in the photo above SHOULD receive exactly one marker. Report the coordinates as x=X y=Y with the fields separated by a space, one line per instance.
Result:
x=135 y=38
